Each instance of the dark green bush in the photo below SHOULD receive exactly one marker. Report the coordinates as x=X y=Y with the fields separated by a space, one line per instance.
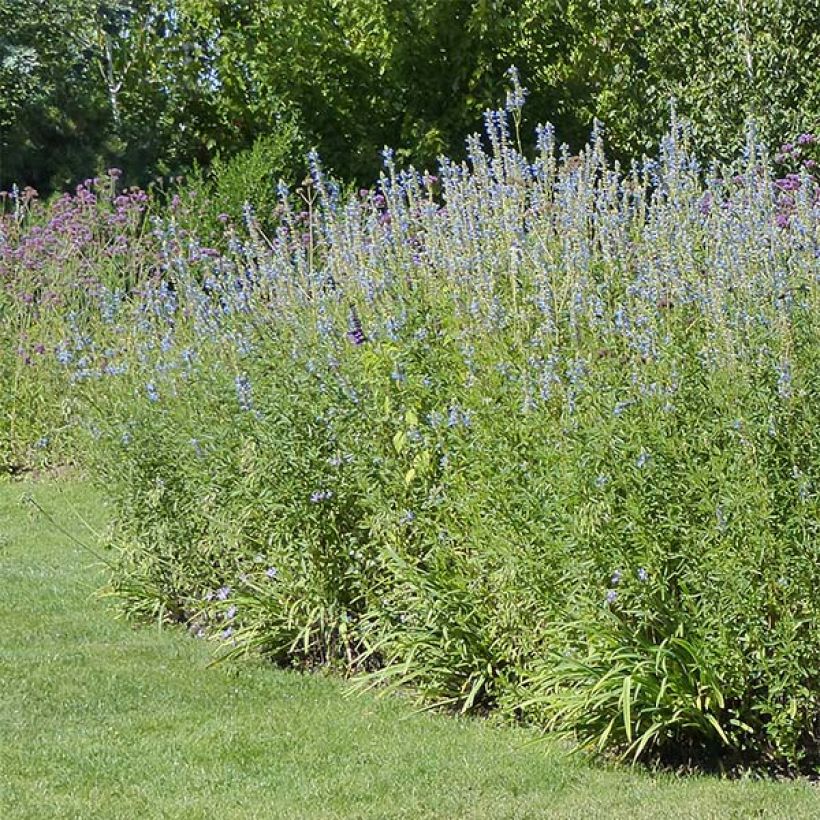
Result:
x=157 y=87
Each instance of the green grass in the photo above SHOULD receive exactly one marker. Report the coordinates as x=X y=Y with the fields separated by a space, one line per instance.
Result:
x=102 y=720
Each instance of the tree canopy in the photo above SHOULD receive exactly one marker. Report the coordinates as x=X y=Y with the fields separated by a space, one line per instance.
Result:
x=156 y=86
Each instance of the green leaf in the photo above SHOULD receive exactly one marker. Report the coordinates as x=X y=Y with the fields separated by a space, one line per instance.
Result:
x=626 y=699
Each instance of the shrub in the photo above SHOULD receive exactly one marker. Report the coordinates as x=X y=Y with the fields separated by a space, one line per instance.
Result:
x=538 y=436
x=65 y=268
x=252 y=176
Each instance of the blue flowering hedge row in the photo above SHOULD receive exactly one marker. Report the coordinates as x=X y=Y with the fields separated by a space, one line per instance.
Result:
x=538 y=436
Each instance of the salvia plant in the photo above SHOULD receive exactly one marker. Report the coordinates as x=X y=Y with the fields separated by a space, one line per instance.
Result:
x=537 y=435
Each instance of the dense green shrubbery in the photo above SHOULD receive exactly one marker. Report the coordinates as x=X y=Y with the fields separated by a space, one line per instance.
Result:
x=538 y=437
x=251 y=176
x=155 y=87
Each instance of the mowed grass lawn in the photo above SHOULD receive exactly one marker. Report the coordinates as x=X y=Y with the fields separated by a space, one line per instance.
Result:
x=99 y=719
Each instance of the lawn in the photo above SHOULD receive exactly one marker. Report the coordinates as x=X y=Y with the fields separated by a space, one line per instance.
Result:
x=99 y=719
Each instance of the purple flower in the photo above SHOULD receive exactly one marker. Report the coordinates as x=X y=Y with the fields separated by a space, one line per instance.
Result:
x=791 y=182
x=271 y=572
x=806 y=139
x=643 y=575
x=223 y=593
x=318 y=496
x=616 y=578
x=354 y=331
x=611 y=596
x=230 y=614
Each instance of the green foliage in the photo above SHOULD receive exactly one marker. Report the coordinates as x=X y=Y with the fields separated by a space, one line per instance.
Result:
x=252 y=176
x=722 y=63
x=533 y=435
x=159 y=87
x=52 y=107
x=635 y=693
